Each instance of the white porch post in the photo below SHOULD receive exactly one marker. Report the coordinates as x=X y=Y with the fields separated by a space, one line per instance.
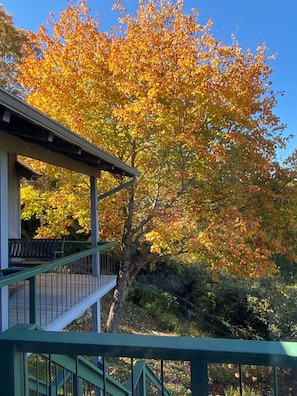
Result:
x=3 y=235
x=96 y=311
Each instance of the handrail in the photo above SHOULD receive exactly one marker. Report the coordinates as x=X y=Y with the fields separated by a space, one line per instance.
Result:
x=199 y=352
x=214 y=350
x=27 y=273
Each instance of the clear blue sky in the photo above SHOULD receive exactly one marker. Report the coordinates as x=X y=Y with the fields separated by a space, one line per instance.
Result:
x=253 y=21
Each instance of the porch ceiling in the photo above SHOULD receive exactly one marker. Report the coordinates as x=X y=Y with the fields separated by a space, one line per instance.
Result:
x=26 y=131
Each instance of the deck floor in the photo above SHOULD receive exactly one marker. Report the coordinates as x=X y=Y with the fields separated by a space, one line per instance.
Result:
x=60 y=298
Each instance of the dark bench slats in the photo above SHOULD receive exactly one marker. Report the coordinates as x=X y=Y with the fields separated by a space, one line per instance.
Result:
x=38 y=250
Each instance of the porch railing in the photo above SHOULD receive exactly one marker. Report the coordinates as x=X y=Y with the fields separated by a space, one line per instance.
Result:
x=43 y=293
x=17 y=342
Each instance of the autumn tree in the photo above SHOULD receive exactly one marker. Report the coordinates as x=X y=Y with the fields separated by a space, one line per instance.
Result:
x=11 y=41
x=193 y=115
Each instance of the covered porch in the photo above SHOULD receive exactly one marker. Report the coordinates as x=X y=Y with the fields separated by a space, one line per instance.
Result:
x=53 y=294
x=56 y=292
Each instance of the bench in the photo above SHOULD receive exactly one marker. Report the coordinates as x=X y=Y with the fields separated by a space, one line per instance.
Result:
x=25 y=252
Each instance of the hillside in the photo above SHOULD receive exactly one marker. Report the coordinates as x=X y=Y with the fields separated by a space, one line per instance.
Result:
x=224 y=379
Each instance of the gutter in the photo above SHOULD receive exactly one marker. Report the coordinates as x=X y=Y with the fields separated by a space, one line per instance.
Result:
x=117 y=189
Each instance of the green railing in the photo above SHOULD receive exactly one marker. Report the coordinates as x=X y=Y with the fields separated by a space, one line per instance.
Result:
x=66 y=375
x=143 y=379
x=43 y=293
x=18 y=342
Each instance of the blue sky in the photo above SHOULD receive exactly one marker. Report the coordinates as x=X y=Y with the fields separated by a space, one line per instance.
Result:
x=253 y=21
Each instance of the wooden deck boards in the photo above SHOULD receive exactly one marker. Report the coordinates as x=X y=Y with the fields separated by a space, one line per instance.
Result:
x=61 y=298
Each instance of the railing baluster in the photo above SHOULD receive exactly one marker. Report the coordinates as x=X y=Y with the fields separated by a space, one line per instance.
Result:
x=56 y=374
x=52 y=295
x=76 y=379
x=275 y=381
x=66 y=276
x=104 y=375
x=17 y=302
x=132 y=375
x=240 y=379
x=50 y=374
x=64 y=382
x=37 y=372
x=41 y=306
x=26 y=319
x=162 y=377
x=25 y=367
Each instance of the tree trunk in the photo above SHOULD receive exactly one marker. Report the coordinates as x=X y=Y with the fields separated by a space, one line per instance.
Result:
x=119 y=297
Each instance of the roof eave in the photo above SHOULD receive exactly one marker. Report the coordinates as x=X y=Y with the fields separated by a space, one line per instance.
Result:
x=25 y=111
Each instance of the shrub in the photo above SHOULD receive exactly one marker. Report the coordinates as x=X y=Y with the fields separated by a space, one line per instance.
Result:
x=160 y=304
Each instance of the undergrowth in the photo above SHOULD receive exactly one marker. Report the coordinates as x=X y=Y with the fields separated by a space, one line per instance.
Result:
x=144 y=318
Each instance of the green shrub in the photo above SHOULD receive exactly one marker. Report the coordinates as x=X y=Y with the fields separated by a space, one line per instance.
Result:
x=157 y=303
x=264 y=308
x=287 y=268
x=169 y=322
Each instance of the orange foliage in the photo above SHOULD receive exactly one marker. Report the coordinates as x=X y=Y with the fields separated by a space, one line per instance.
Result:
x=194 y=115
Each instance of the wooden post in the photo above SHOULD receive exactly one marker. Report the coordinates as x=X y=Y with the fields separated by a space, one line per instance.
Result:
x=3 y=236
x=94 y=225
x=96 y=320
x=199 y=378
x=13 y=372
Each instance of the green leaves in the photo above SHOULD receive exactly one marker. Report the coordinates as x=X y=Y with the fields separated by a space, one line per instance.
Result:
x=11 y=52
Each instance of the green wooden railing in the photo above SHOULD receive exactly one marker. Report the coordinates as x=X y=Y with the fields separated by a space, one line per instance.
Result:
x=141 y=373
x=56 y=373
x=91 y=378
x=69 y=375
x=17 y=342
x=23 y=274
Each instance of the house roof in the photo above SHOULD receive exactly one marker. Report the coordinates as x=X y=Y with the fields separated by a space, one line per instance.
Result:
x=24 y=170
x=27 y=131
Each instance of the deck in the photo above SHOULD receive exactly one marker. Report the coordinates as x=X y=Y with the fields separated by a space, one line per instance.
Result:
x=61 y=298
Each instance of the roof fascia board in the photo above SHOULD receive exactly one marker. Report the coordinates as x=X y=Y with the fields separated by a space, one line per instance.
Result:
x=33 y=115
x=17 y=145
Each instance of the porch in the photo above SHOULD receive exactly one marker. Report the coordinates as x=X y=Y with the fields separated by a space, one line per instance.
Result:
x=53 y=294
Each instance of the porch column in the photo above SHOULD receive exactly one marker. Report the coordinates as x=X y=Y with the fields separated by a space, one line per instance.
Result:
x=3 y=236
x=96 y=320
x=14 y=202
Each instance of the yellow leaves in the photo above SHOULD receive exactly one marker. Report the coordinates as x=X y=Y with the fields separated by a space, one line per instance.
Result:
x=156 y=242
x=195 y=116
x=32 y=200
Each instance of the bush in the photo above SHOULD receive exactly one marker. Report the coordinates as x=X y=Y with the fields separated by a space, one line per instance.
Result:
x=287 y=268
x=168 y=275
x=153 y=300
x=264 y=308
